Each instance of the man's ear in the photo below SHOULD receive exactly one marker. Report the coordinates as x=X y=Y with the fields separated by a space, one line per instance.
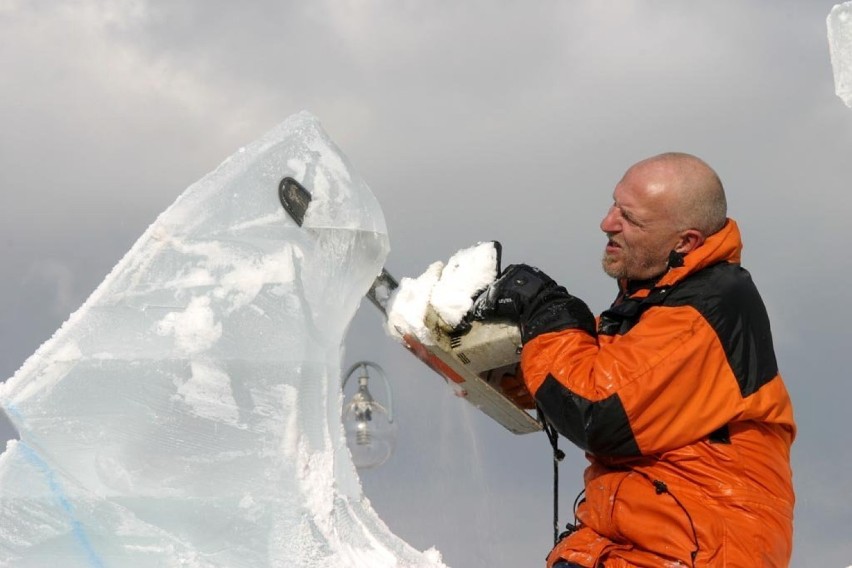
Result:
x=690 y=240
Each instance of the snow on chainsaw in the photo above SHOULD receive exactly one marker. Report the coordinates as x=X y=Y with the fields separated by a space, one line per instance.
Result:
x=430 y=316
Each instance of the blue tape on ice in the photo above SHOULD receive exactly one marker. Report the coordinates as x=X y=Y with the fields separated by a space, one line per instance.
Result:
x=56 y=489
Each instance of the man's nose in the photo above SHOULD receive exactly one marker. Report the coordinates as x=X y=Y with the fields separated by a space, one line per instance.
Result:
x=610 y=222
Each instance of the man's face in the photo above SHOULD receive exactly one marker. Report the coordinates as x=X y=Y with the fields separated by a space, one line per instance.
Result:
x=640 y=226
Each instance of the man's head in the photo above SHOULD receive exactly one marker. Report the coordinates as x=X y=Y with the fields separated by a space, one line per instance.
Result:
x=666 y=203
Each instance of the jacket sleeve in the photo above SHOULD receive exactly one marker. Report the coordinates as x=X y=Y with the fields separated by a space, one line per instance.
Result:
x=664 y=384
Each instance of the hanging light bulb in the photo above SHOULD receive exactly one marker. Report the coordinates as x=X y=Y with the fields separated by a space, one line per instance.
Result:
x=370 y=428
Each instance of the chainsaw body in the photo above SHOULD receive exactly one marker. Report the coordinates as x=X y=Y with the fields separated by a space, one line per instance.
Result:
x=474 y=362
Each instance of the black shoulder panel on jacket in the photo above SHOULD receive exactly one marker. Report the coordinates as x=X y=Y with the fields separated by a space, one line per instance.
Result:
x=728 y=299
x=600 y=428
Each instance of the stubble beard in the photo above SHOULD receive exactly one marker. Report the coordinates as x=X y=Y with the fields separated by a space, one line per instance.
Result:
x=630 y=267
x=610 y=270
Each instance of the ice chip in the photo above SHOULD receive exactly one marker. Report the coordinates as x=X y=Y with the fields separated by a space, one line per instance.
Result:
x=839 y=23
x=446 y=291
x=408 y=304
x=468 y=271
x=188 y=414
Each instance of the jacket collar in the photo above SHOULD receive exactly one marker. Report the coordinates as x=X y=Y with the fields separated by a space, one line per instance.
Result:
x=722 y=246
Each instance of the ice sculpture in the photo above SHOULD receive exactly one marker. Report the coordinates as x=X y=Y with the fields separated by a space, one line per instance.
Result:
x=839 y=23
x=188 y=414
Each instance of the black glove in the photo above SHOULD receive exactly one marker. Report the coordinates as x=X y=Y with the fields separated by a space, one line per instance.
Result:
x=527 y=296
x=512 y=293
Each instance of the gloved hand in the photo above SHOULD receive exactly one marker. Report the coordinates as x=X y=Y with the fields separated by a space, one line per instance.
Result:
x=527 y=296
x=512 y=293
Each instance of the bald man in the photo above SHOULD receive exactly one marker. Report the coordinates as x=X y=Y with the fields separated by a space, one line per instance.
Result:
x=671 y=202
x=673 y=392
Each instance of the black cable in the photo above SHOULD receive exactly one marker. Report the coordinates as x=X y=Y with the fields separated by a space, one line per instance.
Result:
x=558 y=456
x=661 y=488
x=577 y=500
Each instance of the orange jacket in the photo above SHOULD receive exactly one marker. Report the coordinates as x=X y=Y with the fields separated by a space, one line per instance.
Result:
x=685 y=420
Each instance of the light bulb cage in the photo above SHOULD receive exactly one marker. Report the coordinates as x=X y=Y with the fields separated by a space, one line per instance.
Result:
x=369 y=364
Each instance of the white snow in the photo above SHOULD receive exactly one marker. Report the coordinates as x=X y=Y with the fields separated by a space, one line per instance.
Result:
x=195 y=329
x=407 y=305
x=208 y=393
x=467 y=272
x=448 y=289
x=839 y=23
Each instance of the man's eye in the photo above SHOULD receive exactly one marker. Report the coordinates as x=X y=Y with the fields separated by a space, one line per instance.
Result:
x=632 y=221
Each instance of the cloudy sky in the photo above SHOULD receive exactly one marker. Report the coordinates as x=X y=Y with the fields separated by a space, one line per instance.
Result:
x=471 y=120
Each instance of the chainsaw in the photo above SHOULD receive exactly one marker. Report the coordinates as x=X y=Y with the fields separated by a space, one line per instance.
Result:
x=473 y=359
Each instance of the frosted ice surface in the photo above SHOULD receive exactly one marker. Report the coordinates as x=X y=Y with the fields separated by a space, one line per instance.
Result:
x=188 y=414
x=840 y=44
